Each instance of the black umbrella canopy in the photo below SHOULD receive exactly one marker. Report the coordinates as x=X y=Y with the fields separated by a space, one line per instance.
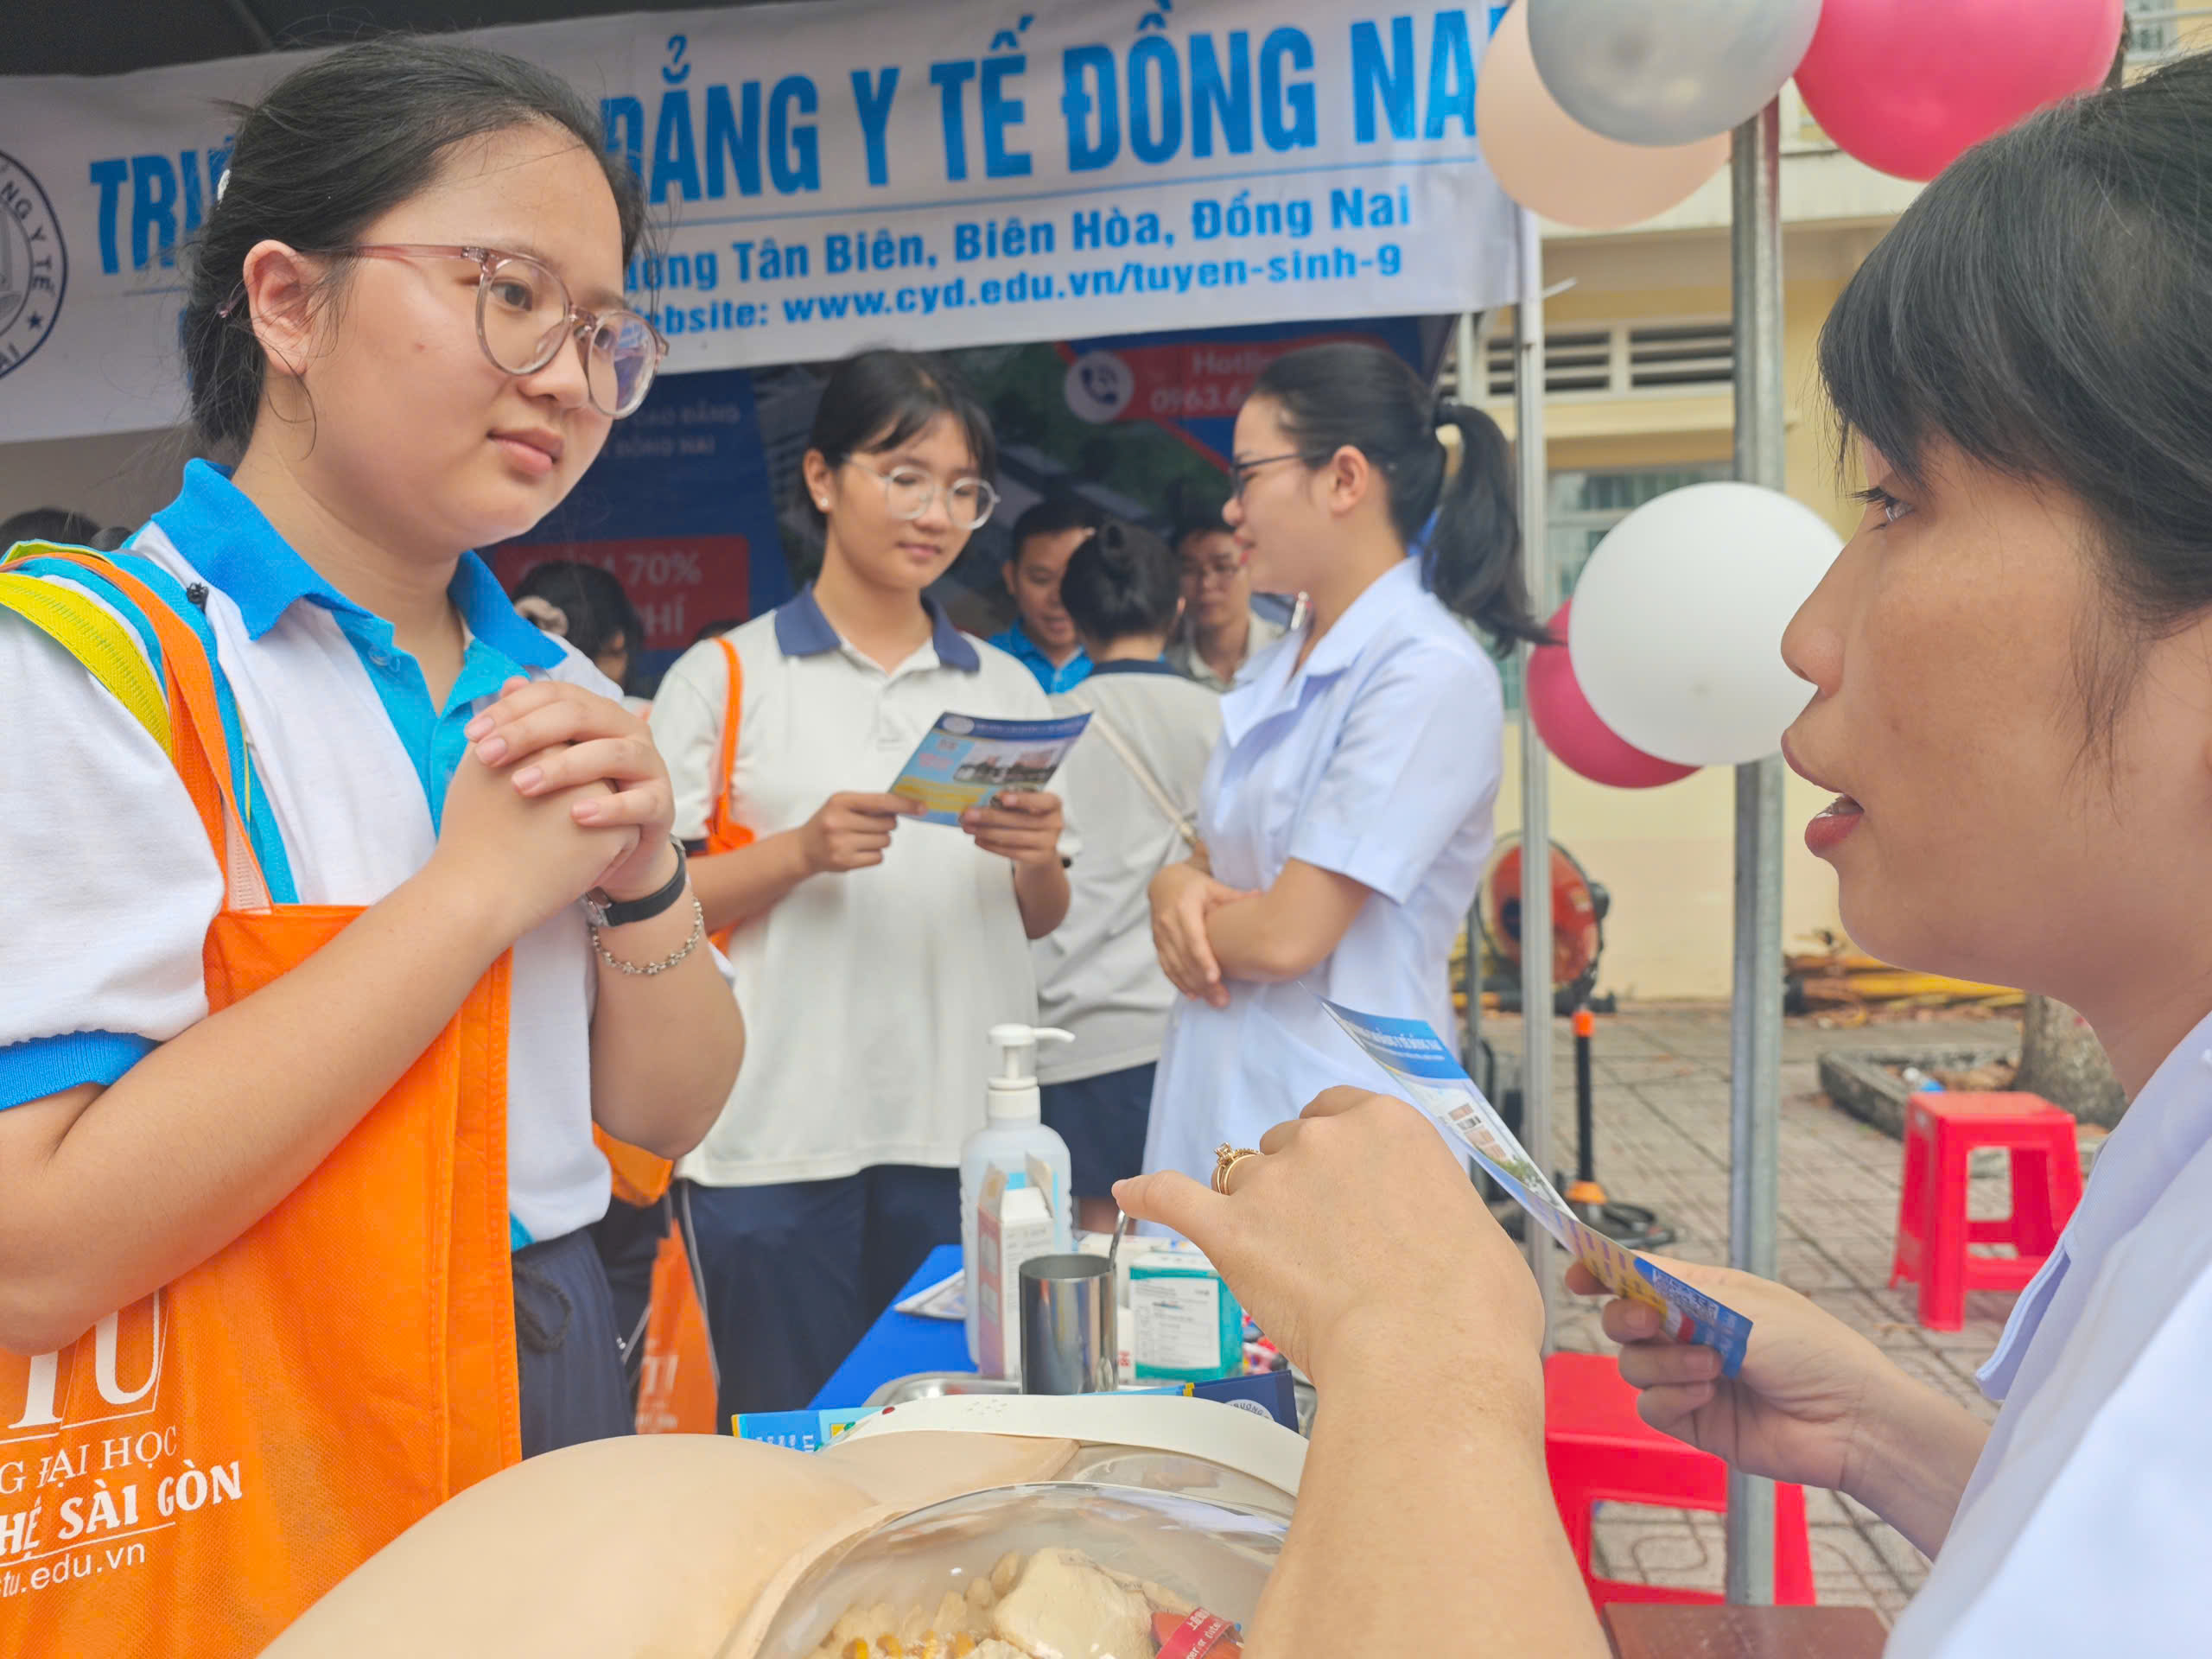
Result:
x=108 y=37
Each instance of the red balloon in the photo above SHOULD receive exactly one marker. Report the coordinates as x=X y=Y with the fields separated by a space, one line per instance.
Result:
x=1571 y=730
x=1907 y=85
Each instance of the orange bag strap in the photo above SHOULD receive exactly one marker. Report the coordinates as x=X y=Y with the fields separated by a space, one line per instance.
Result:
x=718 y=815
x=201 y=752
x=635 y=1176
x=677 y=1381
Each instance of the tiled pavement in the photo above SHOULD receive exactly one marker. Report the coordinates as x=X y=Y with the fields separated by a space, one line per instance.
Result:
x=1661 y=1088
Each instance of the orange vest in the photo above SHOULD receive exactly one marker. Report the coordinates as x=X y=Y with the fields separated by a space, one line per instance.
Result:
x=190 y=1475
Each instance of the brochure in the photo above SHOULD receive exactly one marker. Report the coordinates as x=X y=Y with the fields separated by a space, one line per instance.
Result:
x=945 y=1300
x=965 y=760
x=1433 y=1079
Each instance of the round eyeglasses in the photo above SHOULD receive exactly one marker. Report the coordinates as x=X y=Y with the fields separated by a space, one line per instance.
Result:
x=523 y=314
x=908 y=491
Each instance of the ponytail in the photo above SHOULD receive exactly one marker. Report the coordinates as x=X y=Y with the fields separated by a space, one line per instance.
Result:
x=1472 y=560
x=1348 y=396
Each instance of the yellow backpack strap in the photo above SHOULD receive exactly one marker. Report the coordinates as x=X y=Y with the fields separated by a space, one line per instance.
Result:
x=95 y=636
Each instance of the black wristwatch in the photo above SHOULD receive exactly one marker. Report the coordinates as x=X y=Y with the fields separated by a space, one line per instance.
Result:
x=610 y=912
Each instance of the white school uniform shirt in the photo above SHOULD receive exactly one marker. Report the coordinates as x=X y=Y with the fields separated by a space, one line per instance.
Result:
x=1097 y=973
x=869 y=996
x=1379 y=760
x=2088 y=1525
x=113 y=882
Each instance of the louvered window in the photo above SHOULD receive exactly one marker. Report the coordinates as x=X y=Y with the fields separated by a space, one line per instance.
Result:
x=1620 y=358
x=1681 y=354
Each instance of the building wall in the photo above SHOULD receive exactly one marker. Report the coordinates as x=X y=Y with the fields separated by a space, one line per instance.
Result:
x=1667 y=855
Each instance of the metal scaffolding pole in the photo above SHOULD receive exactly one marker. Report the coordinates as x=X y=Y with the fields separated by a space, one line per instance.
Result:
x=1755 y=1024
x=1535 y=777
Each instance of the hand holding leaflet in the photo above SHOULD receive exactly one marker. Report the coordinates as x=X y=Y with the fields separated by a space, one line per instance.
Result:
x=1416 y=1062
x=965 y=762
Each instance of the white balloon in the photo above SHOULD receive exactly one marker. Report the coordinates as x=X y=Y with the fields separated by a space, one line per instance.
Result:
x=1679 y=617
x=1668 y=72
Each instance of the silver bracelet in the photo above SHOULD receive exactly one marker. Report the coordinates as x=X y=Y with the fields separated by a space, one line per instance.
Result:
x=648 y=970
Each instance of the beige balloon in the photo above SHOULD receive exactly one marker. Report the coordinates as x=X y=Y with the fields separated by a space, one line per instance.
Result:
x=1548 y=161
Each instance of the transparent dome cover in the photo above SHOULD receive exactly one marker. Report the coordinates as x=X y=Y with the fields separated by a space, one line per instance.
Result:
x=1064 y=1570
x=1176 y=1471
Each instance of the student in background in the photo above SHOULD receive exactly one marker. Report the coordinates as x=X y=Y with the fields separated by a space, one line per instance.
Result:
x=1133 y=784
x=873 y=955
x=589 y=609
x=1042 y=638
x=1222 y=628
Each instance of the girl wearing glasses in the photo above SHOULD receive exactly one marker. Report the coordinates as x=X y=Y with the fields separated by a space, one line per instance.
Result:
x=1347 y=809
x=349 y=898
x=872 y=956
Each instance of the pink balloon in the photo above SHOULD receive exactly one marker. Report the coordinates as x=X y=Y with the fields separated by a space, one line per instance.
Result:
x=1907 y=85
x=1571 y=730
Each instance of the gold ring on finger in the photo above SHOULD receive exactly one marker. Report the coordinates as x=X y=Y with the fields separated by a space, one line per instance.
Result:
x=1226 y=1157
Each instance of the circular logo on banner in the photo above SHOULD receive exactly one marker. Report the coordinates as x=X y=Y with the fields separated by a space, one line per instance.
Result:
x=1099 y=386
x=958 y=725
x=34 y=268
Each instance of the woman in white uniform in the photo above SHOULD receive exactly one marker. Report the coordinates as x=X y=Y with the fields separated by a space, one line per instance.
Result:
x=1347 y=810
x=2012 y=674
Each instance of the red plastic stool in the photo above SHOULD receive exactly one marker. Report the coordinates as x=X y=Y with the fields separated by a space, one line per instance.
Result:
x=1598 y=1451
x=1941 y=1131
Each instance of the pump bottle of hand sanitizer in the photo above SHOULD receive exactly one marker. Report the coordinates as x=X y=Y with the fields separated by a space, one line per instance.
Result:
x=1014 y=1133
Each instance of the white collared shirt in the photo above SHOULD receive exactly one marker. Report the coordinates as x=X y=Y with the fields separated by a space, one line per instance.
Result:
x=2089 y=1515
x=869 y=996
x=1098 y=976
x=1379 y=760
x=102 y=961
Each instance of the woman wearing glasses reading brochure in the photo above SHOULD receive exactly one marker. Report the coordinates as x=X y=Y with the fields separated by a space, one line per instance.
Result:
x=873 y=955
x=343 y=899
x=1346 y=812
x=2011 y=667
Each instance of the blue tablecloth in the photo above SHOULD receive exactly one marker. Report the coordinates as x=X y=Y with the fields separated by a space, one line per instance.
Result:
x=898 y=1344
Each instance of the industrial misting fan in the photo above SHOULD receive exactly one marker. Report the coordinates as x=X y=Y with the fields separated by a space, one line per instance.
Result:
x=1578 y=907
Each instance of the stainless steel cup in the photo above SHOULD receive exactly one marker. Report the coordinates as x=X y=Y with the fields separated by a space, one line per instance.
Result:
x=1068 y=1338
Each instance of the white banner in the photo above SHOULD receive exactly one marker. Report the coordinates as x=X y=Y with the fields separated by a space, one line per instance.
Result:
x=846 y=173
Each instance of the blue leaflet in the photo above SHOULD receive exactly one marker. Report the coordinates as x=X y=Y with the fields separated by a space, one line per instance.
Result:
x=1418 y=1062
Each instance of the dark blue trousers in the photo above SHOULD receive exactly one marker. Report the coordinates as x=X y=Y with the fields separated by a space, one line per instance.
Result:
x=796 y=1274
x=569 y=1352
